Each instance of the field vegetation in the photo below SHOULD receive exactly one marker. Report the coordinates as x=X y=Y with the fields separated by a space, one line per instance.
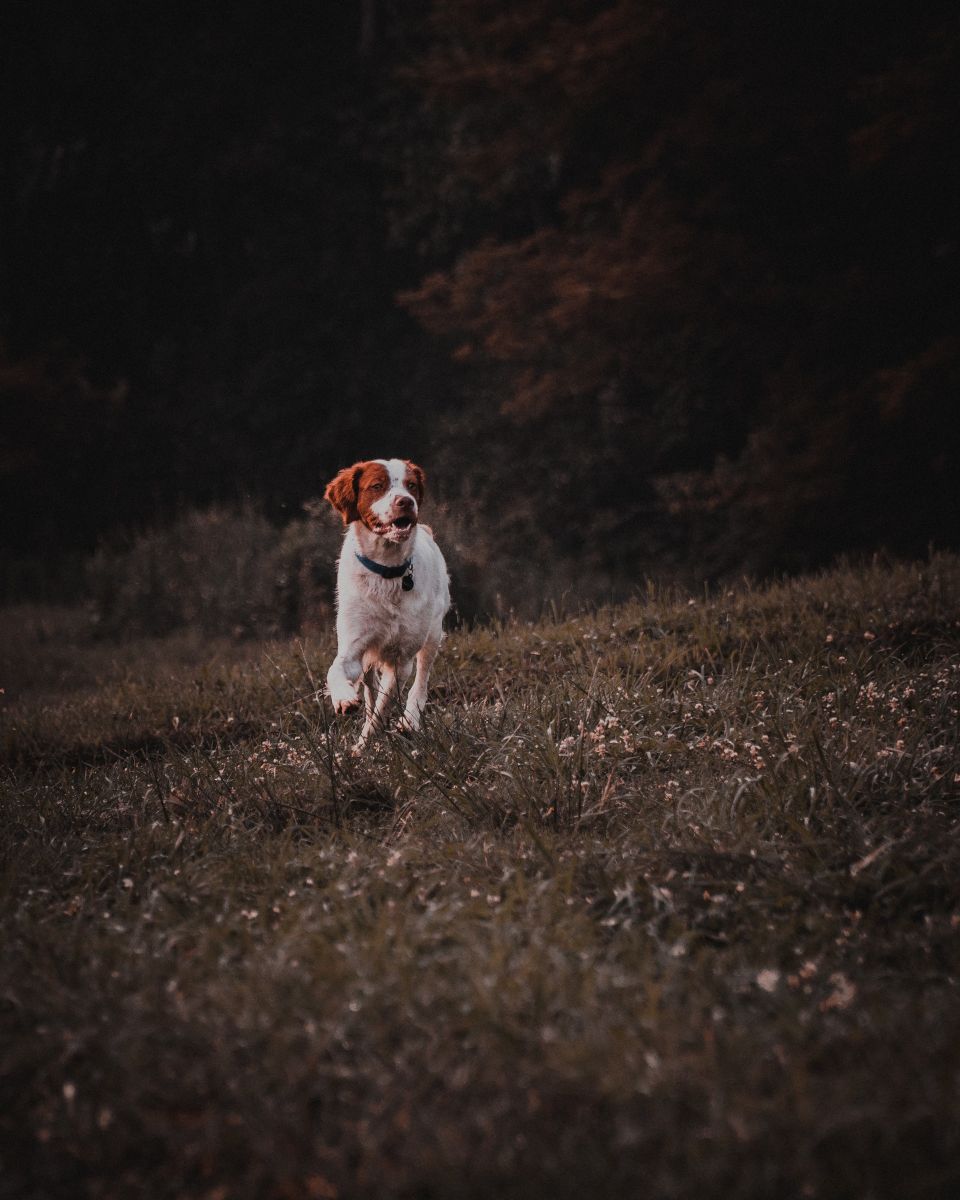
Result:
x=664 y=901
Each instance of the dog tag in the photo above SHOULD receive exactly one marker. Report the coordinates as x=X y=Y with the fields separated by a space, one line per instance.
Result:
x=407 y=582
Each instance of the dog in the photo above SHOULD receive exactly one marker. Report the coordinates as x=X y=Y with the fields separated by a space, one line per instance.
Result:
x=392 y=593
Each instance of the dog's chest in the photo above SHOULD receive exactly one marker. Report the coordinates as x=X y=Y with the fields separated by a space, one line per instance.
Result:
x=387 y=618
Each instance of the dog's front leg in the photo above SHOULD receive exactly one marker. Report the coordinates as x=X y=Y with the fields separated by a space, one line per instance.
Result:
x=343 y=678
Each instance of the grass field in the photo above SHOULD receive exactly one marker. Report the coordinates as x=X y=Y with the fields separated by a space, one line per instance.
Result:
x=664 y=902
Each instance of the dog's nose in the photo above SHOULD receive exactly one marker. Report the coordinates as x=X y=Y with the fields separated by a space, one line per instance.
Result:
x=404 y=502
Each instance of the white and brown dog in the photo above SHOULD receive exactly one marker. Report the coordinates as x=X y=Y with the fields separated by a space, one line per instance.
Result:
x=392 y=592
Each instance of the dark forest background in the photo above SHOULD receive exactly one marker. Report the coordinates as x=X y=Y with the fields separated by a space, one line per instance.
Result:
x=647 y=287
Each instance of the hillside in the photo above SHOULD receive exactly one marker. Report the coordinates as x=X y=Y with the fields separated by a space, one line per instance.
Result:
x=666 y=899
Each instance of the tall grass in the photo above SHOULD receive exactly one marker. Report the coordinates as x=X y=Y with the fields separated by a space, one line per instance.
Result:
x=663 y=901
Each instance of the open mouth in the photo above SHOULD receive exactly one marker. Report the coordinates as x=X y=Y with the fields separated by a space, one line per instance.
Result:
x=399 y=529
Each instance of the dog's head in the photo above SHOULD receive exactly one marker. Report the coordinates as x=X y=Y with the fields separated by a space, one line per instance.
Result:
x=384 y=493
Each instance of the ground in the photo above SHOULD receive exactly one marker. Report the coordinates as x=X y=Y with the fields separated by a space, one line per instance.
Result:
x=664 y=901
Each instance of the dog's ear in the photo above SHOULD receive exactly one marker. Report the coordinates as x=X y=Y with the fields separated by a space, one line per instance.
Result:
x=342 y=492
x=419 y=477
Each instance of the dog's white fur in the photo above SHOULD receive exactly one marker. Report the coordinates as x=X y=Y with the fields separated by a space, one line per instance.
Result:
x=382 y=629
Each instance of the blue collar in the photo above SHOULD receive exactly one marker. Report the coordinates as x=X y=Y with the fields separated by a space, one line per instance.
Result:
x=385 y=572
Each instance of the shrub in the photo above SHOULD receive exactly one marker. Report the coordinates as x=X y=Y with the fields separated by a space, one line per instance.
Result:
x=222 y=571
x=232 y=572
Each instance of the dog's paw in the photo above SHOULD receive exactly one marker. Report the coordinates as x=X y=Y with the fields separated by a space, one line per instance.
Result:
x=344 y=700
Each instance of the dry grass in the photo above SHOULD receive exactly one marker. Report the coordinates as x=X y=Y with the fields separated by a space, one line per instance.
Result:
x=665 y=901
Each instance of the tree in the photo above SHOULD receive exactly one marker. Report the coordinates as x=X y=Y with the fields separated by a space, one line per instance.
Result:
x=729 y=230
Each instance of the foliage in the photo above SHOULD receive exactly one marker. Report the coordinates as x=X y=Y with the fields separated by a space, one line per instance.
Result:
x=664 y=899
x=233 y=573
x=723 y=239
x=194 y=221
x=690 y=271
x=223 y=572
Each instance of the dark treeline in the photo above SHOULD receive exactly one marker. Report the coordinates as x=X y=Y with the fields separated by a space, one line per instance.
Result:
x=650 y=286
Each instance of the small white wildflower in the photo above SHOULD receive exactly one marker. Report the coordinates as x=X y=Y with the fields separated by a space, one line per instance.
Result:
x=843 y=994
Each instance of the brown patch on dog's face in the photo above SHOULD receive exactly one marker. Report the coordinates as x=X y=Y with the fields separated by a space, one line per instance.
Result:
x=342 y=492
x=416 y=480
x=372 y=488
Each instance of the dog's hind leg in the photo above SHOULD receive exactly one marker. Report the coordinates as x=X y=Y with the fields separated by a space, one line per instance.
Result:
x=371 y=680
x=389 y=685
x=417 y=696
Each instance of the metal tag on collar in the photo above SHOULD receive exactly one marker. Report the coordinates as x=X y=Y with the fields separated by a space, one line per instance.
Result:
x=407 y=581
